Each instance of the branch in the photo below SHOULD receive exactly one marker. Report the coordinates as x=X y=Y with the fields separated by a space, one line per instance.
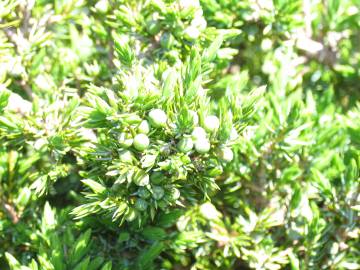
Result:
x=11 y=212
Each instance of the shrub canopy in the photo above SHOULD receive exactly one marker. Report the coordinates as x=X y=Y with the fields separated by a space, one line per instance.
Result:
x=177 y=134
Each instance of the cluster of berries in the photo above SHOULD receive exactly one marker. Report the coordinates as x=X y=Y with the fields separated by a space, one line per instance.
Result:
x=154 y=186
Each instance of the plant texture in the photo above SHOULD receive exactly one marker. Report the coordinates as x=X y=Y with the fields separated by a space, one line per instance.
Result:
x=177 y=134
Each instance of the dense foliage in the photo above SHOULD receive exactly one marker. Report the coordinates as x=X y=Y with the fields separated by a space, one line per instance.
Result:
x=179 y=134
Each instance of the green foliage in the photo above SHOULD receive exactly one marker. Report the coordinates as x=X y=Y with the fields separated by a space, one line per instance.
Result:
x=177 y=134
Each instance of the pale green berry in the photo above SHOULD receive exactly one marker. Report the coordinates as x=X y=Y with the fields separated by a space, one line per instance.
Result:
x=185 y=145
x=125 y=139
x=157 y=118
x=174 y=194
x=153 y=27
x=141 y=142
x=141 y=204
x=225 y=154
x=131 y=214
x=211 y=123
x=126 y=156
x=102 y=6
x=202 y=146
x=191 y=33
x=209 y=211
x=199 y=22
x=144 y=127
x=158 y=192
x=266 y=44
x=198 y=133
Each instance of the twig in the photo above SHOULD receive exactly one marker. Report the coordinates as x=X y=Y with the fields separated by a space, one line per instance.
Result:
x=27 y=89
x=26 y=11
x=111 y=54
x=10 y=210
